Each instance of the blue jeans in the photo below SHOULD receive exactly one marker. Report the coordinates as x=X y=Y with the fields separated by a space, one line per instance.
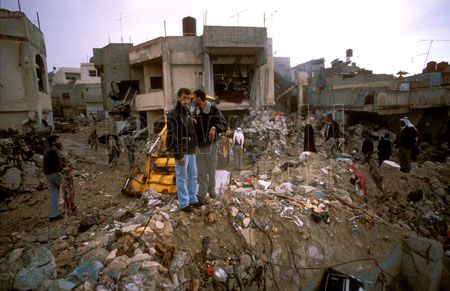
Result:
x=54 y=182
x=186 y=181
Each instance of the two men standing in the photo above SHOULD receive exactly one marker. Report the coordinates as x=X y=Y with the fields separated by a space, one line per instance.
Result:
x=189 y=133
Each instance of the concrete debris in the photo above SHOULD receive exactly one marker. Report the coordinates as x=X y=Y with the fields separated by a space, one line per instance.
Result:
x=27 y=268
x=284 y=204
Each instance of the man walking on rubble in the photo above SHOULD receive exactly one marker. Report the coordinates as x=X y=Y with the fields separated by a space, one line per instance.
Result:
x=406 y=143
x=52 y=168
x=238 y=147
x=384 y=149
x=332 y=135
x=93 y=139
x=181 y=142
x=209 y=123
x=130 y=146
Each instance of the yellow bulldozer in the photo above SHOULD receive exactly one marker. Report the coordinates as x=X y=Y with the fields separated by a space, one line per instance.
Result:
x=159 y=170
x=158 y=173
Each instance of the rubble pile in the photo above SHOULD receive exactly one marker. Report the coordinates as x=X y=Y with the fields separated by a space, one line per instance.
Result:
x=21 y=157
x=267 y=134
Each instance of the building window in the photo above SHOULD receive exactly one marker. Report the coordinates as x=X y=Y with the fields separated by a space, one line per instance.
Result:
x=65 y=96
x=73 y=77
x=156 y=83
x=92 y=73
x=40 y=73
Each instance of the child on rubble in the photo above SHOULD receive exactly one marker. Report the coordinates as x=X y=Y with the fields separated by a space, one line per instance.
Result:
x=67 y=190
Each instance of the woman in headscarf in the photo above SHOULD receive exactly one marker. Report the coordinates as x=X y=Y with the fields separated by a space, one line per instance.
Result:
x=309 y=136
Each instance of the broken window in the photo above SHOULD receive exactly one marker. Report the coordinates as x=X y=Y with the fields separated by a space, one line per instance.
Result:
x=65 y=96
x=232 y=82
x=72 y=77
x=40 y=73
x=92 y=73
x=156 y=83
x=369 y=99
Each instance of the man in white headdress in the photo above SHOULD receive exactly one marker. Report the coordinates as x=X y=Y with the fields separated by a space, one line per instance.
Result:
x=406 y=143
x=238 y=147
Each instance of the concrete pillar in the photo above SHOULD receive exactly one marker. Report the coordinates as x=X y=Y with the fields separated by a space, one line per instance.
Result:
x=152 y=117
x=146 y=78
x=207 y=75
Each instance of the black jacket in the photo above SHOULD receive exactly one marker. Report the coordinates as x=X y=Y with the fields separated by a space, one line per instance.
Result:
x=180 y=132
x=367 y=147
x=52 y=162
x=384 y=149
x=309 y=139
x=407 y=138
x=204 y=122
x=333 y=131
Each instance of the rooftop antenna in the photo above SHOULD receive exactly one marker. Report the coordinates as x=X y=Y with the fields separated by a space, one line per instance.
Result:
x=165 y=32
x=18 y=3
x=429 y=48
x=271 y=16
x=39 y=22
x=120 y=20
x=237 y=15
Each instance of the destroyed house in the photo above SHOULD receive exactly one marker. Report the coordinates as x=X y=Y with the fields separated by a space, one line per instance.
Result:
x=78 y=89
x=24 y=87
x=233 y=64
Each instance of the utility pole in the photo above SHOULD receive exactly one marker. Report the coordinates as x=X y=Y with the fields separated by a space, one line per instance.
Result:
x=429 y=48
x=120 y=20
x=237 y=15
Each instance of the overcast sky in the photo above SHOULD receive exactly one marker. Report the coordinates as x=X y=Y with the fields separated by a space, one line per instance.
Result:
x=385 y=35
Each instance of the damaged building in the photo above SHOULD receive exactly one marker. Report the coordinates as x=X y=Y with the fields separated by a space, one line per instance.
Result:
x=234 y=64
x=77 y=89
x=24 y=86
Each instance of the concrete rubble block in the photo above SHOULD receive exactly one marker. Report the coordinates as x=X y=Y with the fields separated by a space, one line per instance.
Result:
x=234 y=211
x=179 y=261
x=153 y=264
x=245 y=262
x=276 y=170
x=27 y=268
x=129 y=228
x=246 y=222
x=422 y=263
x=314 y=252
x=140 y=257
x=115 y=268
x=264 y=185
x=249 y=235
x=12 y=179
x=97 y=254
x=389 y=166
x=222 y=181
x=85 y=272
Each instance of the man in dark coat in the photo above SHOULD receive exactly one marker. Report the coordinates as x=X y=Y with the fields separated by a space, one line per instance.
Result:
x=181 y=143
x=52 y=168
x=367 y=149
x=209 y=123
x=384 y=149
x=332 y=134
x=309 y=137
x=406 y=143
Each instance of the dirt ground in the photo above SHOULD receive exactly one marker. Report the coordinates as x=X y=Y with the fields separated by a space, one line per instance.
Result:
x=348 y=235
x=97 y=191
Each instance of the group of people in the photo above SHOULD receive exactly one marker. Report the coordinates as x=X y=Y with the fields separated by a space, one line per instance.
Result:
x=406 y=142
x=113 y=148
x=193 y=127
